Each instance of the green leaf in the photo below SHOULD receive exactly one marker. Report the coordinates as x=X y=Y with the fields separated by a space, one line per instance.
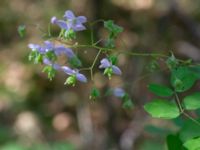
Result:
x=110 y=43
x=51 y=72
x=193 y=144
x=189 y=130
x=94 y=93
x=75 y=62
x=21 y=30
x=113 y=59
x=128 y=104
x=113 y=28
x=174 y=142
x=192 y=102
x=160 y=90
x=162 y=109
x=51 y=55
x=183 y=78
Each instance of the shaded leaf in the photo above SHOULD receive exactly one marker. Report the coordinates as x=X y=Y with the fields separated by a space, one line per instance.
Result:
x=174 y=143
x=192 y=102
x=183 y=78
x=160 y=90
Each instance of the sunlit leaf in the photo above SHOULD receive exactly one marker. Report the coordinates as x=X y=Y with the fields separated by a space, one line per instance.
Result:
x=162 y=109
x=193 y=144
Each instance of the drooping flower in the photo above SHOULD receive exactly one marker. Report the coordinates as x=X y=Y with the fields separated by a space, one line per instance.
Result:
x=55 y=66
x=74 y=75
x=109 y=68
x=50 y=47
x=70 y=22
x=36 y=47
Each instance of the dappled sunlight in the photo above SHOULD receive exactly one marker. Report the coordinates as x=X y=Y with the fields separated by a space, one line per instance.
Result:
x=27 y=127
x=62 y=121
x=134 y=4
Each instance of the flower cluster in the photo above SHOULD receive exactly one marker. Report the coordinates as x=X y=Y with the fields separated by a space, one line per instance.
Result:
x=70 y=24
x=48 y=52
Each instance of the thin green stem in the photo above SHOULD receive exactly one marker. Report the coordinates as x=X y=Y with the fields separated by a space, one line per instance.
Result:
x=187 y=115
x=143 y=54
x=179 y=103
x=91 y=34
x=183 y=112
x=120 y=52
x=49 y=30
x=93 y=64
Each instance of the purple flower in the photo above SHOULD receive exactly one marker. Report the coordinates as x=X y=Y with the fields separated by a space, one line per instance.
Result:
x=70 y=22
x=36 y=47
x=53 y=20
x=118 y=92
x=74 y=73
x=73 y=22
x=49 y=46
x=46 y=61
x=63 y=50
x=109 y=68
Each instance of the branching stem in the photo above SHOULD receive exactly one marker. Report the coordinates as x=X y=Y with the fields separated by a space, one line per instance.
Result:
x=182 y=110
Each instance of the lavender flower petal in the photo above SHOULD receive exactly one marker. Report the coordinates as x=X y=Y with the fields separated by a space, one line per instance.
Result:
x=42 y=50
x=69 y=15
x=81 y=19
x=54 y=20
x=81 y=77
x=78 y=27
x=34 y=46
x=56 y=66
x=49 y=46
x=118 y=92
x=116 y=70
x=68 y=70
x=47 y=61
x=62 y=24
x=105 y=63
x=63 y=50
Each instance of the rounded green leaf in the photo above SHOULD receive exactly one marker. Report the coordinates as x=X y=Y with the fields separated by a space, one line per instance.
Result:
x=160 y=90
x=192 y=102
x=162 y=109
x=192 y=144
x=183 y=78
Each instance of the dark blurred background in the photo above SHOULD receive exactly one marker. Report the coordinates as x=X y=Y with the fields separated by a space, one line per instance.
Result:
x=36 y=114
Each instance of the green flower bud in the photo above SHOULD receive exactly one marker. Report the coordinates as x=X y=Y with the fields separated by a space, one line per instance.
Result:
x=71 y=80
x=70 y=34
x=108 y=72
